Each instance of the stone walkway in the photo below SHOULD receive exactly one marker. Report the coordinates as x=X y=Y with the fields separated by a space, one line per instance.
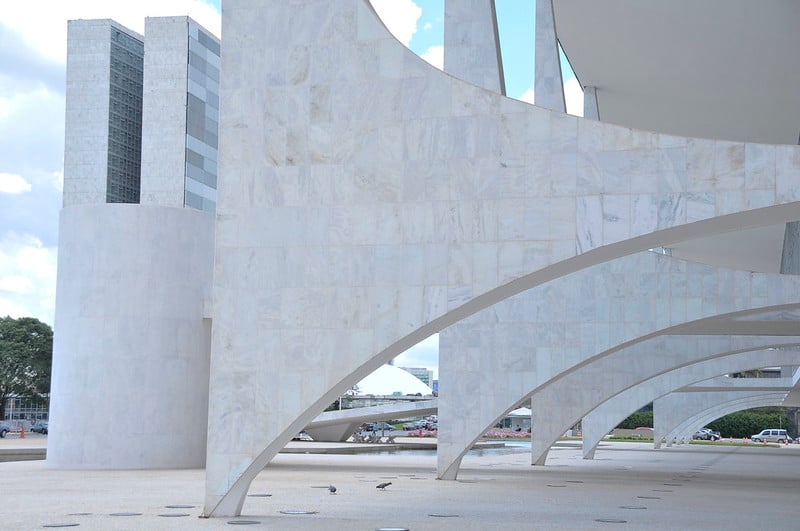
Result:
x=628 y=486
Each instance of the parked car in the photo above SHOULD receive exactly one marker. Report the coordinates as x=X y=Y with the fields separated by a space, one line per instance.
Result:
x=411 y=426
x=4 y=428
x=772 y=435
x=423 y=424
x=379 y=426
x=40 y=426
x=706 y=434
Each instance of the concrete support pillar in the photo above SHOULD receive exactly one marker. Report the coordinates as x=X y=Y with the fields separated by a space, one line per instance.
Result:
x=472 y=44
x=548 y=86
x=590 y=109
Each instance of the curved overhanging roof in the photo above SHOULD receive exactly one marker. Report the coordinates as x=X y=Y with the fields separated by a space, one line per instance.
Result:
x=724 y=69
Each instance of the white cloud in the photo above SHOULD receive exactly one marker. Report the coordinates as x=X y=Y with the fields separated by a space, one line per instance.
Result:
x=423 y=354
x=9 y=309
x=43 y=25
x=527 y=96
x=58 y=179
x=573 y=94
x=15 y=284
x=27 y=277
x=435 y=56
x=399 y=16
x=428 y=26
x=11 y=183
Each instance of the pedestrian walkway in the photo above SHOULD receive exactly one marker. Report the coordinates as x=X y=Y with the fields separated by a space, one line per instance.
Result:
x=628 y=486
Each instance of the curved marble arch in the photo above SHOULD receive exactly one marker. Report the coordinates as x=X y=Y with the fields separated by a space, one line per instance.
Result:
x=695 y=408
x=672 y=427
x=718 y=411
x=367 y=200
x=587 y=336
x=603 y=418
x=681 y=360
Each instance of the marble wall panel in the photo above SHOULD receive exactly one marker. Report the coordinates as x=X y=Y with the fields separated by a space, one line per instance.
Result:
x=387 y=126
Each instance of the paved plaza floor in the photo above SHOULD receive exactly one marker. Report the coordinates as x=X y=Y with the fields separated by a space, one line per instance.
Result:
x=627 y=486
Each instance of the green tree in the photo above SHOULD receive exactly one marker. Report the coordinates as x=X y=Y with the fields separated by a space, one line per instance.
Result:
x=637 y=420
x=746 y=423
x=26 y=356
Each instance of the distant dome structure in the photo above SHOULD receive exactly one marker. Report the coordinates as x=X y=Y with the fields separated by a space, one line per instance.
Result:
x=391 y=380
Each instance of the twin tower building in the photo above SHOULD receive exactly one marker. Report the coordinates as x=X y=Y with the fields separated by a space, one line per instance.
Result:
x=134 y=280
x=156 y=101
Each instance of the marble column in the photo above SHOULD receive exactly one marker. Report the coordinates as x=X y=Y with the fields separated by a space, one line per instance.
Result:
x=548 y=85
x=590 y=109
x=472 y=43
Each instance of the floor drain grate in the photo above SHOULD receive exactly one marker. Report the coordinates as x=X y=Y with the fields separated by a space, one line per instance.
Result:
x=61 y=525
x=662 y=490
x=674 y=484
x=649 y=497
x=611 y=520
x=79 y=514
x=179 y=506
x=173 y=515
x=573 y=481
x=392 y=529
x=292 y=511
x=632 y=507
x=125 y=514
x=556 y=485
x=261 y=495
x=437 y=515
x=244 y=522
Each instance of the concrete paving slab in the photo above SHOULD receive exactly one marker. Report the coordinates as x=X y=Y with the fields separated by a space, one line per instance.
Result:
x=677 y=488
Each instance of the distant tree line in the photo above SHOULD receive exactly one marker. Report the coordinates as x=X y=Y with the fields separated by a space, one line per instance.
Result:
x=640 y=419
x=736 y=425
x=746 y=423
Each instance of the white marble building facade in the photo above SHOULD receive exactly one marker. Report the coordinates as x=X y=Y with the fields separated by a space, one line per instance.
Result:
x=372 y=200
x=367 y=200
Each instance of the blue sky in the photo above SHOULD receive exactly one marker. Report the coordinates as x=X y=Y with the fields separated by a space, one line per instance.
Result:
x=515 y=21
x=32 y=78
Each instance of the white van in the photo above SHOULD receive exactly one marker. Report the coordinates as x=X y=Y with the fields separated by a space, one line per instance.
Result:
x=772 y=435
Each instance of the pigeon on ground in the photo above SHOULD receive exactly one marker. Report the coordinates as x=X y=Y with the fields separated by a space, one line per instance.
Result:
x=332 y=489
x=383 y=486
